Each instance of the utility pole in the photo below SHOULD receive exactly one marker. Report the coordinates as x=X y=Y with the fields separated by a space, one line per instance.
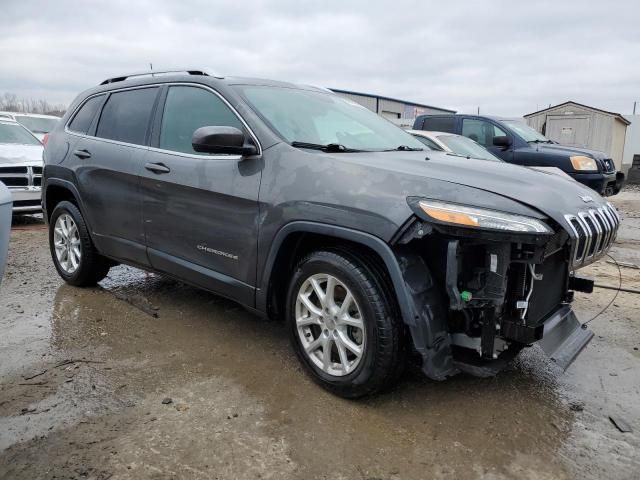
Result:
x=478 y=110
x=151 y=68
x=634 y=107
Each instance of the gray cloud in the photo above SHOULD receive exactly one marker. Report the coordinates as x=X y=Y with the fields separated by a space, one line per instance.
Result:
x=505 y=57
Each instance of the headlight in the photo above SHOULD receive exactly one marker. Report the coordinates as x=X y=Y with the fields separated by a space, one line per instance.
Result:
x=474 y=217
x=580 y=162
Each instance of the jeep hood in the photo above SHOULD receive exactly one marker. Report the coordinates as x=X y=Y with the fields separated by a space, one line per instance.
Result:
x=547 y=192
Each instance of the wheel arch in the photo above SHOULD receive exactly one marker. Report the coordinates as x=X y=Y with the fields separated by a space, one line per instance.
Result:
x=408 y=275
x=57 y=190
x=290 y=238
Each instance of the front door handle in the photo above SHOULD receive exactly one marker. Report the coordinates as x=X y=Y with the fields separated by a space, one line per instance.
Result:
x=157 y=167
x=82 y=154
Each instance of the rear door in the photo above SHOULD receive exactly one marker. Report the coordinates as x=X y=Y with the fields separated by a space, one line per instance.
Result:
x=483 y=131
x=200 y=210
x=108 y=162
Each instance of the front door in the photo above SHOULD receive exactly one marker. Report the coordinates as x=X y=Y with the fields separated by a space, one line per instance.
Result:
x=201 y=211
x=483 y=132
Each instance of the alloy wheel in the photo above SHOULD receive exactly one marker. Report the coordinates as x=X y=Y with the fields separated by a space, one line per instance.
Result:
x=330 y=324
x=66 y=242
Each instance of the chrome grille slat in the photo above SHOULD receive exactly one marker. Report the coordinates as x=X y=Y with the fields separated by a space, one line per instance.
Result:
x=608 y=226
x=604 y=230
x=21 y=177
x=593 y=231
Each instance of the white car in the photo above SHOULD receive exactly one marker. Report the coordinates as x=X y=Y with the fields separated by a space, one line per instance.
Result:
x=21 y=166
x=452 y=143
x=39 y=125
x=5 y=225
x=459 y=145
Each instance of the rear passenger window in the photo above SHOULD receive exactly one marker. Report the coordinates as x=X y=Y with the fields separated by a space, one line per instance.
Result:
x=83 y=119
x=125 y=117
x=440 y=124
x=187 y=109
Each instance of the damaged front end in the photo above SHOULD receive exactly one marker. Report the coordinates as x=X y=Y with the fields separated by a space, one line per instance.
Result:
x=504 y=282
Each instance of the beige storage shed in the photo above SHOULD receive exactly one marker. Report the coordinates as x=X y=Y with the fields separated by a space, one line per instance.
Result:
x=574 y=124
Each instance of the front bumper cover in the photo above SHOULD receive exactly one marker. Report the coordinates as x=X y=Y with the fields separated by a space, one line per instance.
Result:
x=27 y=199
x=564 y=337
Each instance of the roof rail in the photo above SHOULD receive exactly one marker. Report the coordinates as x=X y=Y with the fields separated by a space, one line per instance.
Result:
x=190 y=71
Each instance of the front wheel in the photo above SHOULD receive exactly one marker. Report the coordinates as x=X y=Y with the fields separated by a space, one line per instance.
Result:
x=74 y=255
x=343 y=326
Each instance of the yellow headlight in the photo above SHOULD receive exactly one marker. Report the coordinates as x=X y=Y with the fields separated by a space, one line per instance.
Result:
x=450 y=217
x=581 y=162
x=468 y=216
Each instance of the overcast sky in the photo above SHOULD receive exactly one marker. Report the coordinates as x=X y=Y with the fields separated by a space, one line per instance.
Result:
x=506 y=57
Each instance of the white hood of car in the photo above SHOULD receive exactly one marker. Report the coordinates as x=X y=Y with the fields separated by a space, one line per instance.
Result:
x=19 y=154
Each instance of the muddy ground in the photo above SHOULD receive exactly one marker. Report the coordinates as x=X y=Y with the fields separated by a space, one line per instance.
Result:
x=143 y=377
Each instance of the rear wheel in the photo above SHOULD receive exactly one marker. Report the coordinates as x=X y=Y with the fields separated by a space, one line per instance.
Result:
x=342 y=326
x=74 y=255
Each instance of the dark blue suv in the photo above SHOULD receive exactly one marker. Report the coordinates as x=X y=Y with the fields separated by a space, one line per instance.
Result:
x=515 y=142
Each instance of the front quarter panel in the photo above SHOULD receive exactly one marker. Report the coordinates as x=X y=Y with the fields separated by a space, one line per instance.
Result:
x=362 y=192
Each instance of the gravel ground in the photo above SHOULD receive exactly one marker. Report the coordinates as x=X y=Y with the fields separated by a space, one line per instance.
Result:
x=144 y=377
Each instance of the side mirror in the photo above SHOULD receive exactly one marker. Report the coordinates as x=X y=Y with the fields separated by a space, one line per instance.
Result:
x=502 y=141
x=228 y=140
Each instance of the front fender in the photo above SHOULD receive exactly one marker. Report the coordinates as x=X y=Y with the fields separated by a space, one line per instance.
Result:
x=412 y=285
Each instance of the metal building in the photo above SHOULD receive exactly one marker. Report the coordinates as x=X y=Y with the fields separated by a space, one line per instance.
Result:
x=400 y=112
x=578 y=125
x=631 y=156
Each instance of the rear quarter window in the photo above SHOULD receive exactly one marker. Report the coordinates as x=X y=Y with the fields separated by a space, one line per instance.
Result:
x=126 y=115
x=84 y=117
x=440 y=124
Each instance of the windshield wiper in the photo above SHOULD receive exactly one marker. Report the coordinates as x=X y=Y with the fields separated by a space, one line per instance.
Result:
x=539 y=141
x=405 y=148
x=329 y=147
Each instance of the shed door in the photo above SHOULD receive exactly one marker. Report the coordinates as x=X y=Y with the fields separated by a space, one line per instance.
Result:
x=572 y=131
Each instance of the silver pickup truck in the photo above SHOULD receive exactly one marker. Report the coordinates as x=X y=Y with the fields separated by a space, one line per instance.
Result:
x=21 y=166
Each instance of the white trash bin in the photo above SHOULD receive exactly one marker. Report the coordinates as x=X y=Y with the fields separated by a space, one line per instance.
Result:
x=6 y=204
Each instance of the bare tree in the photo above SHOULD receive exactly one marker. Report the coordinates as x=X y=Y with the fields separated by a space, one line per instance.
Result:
x=10 y=102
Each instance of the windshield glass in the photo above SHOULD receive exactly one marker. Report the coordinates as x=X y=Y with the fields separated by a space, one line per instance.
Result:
x=322 y=118
x=428 y=142
x=37 y=124
x=465 y=146
x=525 y=131
x=14 y=133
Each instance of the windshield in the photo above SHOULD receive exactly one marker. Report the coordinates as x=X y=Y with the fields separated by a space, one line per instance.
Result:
x=321 y=118
x=465 y=146
x=37 y=124
x=428 y=142
x=525 y=131
x=17 y=134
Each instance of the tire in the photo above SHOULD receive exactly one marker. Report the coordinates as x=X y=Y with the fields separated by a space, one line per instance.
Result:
x=371 y=325
x=90 y=267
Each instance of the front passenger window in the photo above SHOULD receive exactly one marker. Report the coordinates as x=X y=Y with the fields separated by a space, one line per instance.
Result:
x=481 y=131
x=187 y=109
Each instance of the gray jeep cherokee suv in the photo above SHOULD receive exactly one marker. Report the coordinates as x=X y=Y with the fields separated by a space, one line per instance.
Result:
x=302 y=205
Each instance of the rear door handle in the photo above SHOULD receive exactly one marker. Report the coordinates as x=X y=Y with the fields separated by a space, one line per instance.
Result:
x=157 y=167
x=82 y=154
